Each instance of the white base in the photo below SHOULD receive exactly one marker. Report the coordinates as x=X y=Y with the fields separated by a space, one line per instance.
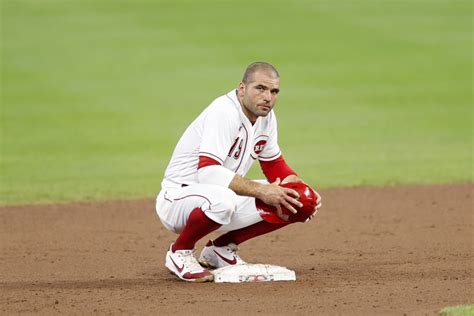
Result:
x=253 y=273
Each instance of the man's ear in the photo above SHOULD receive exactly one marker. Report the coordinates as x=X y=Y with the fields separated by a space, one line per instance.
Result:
x=242 y=87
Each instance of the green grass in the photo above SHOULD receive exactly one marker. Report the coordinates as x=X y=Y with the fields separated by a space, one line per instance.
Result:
x=460 y=310
x=95 y=94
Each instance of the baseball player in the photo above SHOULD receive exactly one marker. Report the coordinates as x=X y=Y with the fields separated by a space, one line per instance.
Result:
x=204 y=187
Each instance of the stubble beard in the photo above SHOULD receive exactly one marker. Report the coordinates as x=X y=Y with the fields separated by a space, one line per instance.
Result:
x=256 y=112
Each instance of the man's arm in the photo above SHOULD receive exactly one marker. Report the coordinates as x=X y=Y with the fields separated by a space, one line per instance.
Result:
x=271 y=194
x=278 y=168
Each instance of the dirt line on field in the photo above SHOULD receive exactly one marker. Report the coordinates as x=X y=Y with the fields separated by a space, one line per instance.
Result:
x=369 y=251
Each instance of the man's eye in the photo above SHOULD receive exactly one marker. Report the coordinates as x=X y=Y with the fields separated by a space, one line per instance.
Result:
x=260 y=88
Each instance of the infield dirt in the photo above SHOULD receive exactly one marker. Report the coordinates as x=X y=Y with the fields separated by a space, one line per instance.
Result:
x=397 y=250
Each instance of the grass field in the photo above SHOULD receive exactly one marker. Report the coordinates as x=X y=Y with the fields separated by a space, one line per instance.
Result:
x=461 y=310
x=96 y=93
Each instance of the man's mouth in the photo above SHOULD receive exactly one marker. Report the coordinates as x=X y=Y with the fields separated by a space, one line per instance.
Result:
x=266 y=107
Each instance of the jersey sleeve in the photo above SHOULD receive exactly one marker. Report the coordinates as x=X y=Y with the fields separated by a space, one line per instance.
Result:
x=271 y=150
x=221 y=126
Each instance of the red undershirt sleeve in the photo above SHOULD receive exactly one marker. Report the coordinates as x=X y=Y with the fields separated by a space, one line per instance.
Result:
x=277 y=168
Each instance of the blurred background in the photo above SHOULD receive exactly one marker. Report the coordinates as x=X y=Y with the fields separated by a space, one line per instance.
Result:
x=95 y=94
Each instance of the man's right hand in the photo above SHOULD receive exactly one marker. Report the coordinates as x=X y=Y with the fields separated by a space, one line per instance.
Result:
x=275 y=195
x=271 y=194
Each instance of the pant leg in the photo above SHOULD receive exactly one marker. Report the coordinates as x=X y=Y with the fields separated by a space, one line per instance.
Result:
x=174 y=205
x=246 y=214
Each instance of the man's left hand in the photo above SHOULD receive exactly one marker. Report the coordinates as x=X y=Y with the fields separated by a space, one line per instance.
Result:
x=292 y=178
x=295 y=178
x=316 y=208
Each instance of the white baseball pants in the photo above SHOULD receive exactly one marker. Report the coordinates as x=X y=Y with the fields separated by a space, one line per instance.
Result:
x=220 y=204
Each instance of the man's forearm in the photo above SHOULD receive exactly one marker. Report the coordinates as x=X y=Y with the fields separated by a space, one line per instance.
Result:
x=243 y=186
x=272 y=194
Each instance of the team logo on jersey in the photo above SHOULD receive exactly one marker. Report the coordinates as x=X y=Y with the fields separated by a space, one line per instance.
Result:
x=259 y=146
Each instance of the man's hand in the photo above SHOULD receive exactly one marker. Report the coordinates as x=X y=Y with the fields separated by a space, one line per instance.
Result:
x=316 y=208
x=291 y=178
x=295 y=178
x=271 y=194
x=275 y=195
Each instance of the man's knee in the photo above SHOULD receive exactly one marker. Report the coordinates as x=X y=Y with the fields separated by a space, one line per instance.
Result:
x=223 y=206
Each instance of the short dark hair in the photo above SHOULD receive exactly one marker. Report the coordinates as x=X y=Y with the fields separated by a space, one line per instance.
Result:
x=257 y=66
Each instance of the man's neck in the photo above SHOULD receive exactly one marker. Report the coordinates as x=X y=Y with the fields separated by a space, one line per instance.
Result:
x=249 y=115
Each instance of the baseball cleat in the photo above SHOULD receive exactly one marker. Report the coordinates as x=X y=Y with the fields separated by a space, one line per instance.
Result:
x=217 y=257
x=185 y=266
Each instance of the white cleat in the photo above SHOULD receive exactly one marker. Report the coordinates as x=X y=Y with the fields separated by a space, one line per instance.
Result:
x=186 y=267
x=217 y=257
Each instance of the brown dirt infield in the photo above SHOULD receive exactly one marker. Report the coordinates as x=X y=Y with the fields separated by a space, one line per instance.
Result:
x=400 y=250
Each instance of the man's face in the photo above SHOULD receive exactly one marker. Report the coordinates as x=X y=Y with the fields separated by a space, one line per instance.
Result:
x=259 y=95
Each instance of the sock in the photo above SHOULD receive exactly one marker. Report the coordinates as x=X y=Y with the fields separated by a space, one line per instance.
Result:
x=240 y=235
x=197 y=226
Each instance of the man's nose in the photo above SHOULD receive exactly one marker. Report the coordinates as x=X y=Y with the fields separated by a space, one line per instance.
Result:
x=267 y=95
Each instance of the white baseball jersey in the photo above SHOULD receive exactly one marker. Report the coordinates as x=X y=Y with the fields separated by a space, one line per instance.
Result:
x=222 y=132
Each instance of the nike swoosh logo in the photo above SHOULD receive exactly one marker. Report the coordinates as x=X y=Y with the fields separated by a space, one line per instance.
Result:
x=179 y=269
x=233 y=261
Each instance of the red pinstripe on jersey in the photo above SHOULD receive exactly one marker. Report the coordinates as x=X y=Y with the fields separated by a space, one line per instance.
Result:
x=206 y=161
x=203 y=153
x=271 y=157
